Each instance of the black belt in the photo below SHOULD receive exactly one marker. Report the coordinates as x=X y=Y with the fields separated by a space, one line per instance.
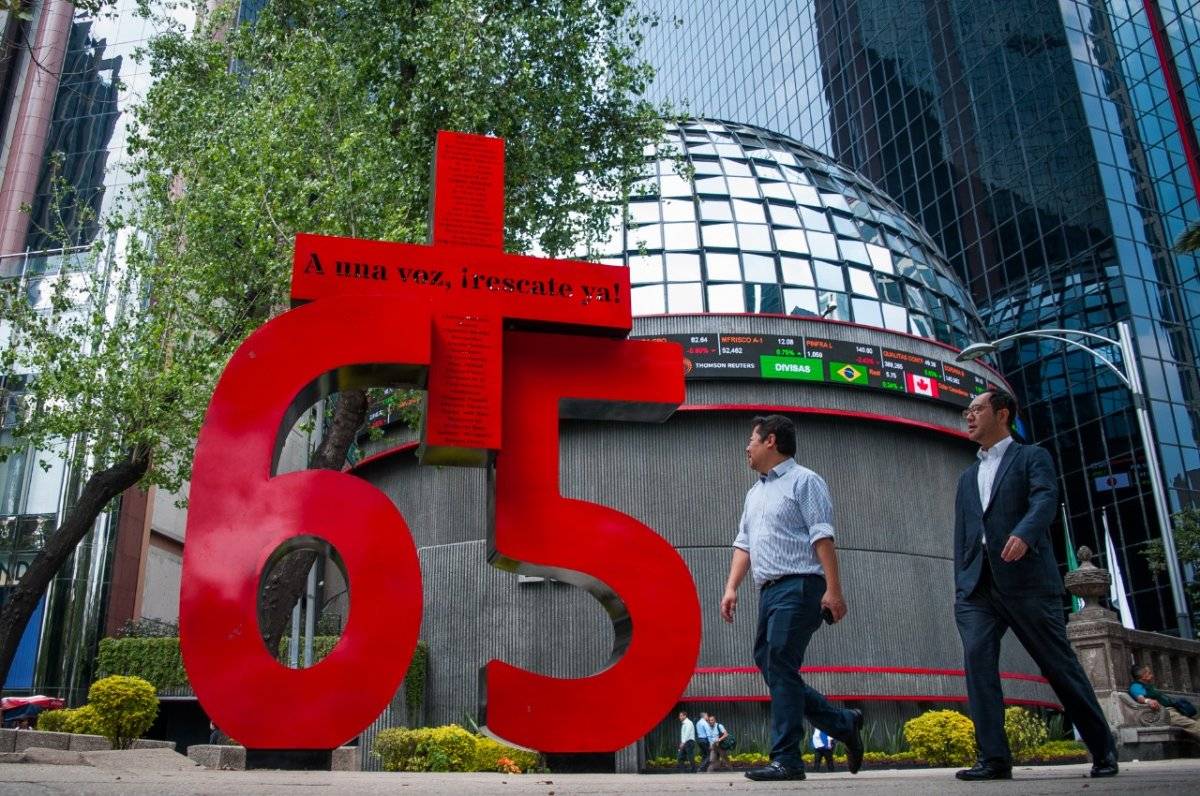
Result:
x=768 y=584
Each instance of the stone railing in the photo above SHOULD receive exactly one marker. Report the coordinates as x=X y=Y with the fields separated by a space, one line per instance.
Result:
x=1108 y=650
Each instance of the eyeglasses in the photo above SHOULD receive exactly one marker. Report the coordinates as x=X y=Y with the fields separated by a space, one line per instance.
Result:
x=973 y=410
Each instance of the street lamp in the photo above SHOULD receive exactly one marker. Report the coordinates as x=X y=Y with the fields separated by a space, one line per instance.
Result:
x=1131 y=378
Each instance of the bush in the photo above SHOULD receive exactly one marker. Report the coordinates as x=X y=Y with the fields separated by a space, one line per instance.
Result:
x=449 y=748
x=490 y=755
x=124 y=708
x=942 y=737
x=1024 y=730
x=154 y=659
x=1058 y=750
x=53 y=720
x=85 y=720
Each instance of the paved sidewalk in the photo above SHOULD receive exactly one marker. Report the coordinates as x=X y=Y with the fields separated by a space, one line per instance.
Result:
x=1175 y=778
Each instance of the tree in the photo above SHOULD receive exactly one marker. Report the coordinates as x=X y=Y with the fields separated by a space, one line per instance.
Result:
x=1186 y=526
x=321 y=117
x=1189 y=241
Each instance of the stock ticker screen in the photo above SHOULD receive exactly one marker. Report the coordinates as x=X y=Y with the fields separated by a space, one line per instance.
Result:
x=818 y=359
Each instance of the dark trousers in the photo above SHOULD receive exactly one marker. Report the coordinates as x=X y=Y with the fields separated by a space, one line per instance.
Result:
x=687 y=757
x=703 y=744
x=823 y=752
x=982 y=620
x=789 y=612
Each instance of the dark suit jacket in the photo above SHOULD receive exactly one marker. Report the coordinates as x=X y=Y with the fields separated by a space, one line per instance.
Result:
x=1024 y=500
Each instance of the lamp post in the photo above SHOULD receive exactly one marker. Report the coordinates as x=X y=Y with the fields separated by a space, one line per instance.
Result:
x=1132 y=379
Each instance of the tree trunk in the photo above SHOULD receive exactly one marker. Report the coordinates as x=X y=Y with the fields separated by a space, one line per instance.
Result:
x=289 y=579
x=75 y=523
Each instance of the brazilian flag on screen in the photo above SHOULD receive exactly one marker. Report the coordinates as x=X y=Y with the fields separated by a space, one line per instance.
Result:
x=845 y=373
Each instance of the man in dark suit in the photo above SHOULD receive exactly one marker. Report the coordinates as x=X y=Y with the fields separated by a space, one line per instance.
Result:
x=1005 y=576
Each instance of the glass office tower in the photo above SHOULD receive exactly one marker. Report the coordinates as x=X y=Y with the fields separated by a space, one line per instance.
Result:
x=67 y=82
x=1050 y=149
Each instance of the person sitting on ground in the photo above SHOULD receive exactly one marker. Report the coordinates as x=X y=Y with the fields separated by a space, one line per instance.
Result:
x=1144 y=693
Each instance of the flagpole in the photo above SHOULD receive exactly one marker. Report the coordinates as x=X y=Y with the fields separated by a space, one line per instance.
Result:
x=1117 y=587
x=1072 y=562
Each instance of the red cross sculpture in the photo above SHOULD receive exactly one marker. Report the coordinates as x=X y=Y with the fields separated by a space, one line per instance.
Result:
x=506 y=345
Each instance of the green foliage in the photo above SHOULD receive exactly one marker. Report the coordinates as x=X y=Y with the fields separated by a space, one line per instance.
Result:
x=1024 y=729
x=490 y=754
x=883 y=737
x=449 y=748
x=942 y=737
x=326 y=125
x=81 y=720
x=941 y=726
x=1186 y=525
x=322 y=646
x=1056 y=750
x=414 y=680
x=154 y=659
x=124 y=707
x=1189 y=239
x=53 y=720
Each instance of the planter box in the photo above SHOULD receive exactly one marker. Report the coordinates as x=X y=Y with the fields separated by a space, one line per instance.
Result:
x=44 y=740
x=344 y=758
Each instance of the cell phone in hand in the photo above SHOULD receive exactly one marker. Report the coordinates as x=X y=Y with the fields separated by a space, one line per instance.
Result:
x=827 y=615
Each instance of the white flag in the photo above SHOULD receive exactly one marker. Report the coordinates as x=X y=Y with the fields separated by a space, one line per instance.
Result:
x=1116 y=591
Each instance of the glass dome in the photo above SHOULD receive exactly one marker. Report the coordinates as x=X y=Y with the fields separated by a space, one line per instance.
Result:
x=735 y=218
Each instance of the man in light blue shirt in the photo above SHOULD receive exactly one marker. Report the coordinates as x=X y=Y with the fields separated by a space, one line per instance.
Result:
x=785 y=540
x=703 y=739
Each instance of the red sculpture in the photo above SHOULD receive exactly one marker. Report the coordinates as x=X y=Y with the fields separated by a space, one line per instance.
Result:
x=443 y=315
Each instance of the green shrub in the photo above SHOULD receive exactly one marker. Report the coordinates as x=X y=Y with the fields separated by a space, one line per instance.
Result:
x=53 y=720
x=156 y=660
x=1057 y=750
x=124 y=707
x=322 y=646
x=942 y=737
x=449 y=748
x=414 y=680
x=1025 y=731
x=77 y=720
x=489 y=753
x=82 y=721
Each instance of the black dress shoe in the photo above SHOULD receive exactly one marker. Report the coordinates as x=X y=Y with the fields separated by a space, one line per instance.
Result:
x=774 y=772
x=1105 y=766
x=854 y=744
x=984 y=771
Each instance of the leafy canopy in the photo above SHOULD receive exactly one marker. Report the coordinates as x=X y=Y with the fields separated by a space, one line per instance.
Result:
x=320 y=117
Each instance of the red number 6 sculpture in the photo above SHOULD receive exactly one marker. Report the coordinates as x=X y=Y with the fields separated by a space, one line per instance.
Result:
x=242 y=513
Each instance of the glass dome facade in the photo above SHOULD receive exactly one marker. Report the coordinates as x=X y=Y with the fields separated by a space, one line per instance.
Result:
x=735 y=218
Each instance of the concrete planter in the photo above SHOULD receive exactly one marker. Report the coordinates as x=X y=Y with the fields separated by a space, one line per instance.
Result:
x=345 y=758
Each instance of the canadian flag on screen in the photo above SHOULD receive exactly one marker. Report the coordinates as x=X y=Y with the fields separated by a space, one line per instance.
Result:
x=921 y=385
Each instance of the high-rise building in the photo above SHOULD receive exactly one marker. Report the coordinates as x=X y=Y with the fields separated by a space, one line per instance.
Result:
x=67 y=81
x=1049 y=147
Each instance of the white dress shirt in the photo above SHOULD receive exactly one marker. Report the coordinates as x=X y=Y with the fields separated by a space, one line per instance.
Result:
x=989 y=463
x=687 y=731
x=786 y=511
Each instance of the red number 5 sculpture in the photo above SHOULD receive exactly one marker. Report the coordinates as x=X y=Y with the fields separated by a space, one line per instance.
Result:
x=445 y=315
